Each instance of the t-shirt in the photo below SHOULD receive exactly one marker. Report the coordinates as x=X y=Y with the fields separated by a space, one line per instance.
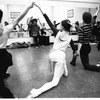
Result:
x=85 y=32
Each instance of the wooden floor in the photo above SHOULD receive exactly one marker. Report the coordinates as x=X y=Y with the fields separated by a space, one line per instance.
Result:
x=31 y=69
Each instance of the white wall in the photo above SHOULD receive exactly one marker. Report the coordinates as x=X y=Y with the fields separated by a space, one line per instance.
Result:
x=4 y=9
x=61 y=13
x=35 y=12
x=55 y=10
x=93 y=12
x=51 y=2
x=14 y=8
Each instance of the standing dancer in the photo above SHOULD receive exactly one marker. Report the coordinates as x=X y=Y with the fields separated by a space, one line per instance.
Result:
x=35 y=31
x=57 y=55
x=5 y=56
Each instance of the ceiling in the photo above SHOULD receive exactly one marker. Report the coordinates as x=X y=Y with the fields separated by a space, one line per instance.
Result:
x=25 y=1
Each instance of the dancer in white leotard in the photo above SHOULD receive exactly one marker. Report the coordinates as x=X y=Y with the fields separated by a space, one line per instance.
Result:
x=58 y=57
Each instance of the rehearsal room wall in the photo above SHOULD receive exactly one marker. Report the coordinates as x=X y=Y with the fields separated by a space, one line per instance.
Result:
x=54 y=9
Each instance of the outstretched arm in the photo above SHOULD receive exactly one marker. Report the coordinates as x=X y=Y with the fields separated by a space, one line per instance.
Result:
x=10 y=27
x=95 y=15
x=97 y=11
x=39 y=8
x=55 y=31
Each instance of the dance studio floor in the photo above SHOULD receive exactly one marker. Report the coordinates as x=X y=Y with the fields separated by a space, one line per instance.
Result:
x=31 y=69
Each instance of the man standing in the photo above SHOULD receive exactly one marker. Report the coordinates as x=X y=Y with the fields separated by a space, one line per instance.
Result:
x=35 y=31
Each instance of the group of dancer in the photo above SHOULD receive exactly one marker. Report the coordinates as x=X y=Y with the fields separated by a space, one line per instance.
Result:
x=57 y=56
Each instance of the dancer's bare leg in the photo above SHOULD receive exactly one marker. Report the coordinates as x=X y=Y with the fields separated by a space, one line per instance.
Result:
x=65 y=69
x=58 y=72
x=51 y=66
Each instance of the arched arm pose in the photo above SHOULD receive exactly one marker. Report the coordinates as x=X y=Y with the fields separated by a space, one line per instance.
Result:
x=57 y=56
x=7 y=29
x=5 y=56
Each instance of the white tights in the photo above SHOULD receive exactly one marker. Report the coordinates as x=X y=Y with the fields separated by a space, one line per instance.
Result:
x=59 y=70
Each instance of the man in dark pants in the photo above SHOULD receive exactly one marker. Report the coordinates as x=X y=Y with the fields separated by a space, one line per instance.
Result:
x=84 y=47
x=35 y=31
x=5 y=56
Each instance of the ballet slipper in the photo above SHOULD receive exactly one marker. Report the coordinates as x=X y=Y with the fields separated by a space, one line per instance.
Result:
x=65 y=71
x=33 y=93
x=16 y=97
x=29 y=96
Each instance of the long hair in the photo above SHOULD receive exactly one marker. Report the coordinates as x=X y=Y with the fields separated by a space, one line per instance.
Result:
x=1 y=15
x=66 y=24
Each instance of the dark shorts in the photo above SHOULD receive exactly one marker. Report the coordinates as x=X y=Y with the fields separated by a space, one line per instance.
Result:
x=5 y=58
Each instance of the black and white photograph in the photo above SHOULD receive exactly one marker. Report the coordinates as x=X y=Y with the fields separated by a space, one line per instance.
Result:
x=49 y=49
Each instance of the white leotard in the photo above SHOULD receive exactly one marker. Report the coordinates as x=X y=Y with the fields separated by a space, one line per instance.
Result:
x=58 y=52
